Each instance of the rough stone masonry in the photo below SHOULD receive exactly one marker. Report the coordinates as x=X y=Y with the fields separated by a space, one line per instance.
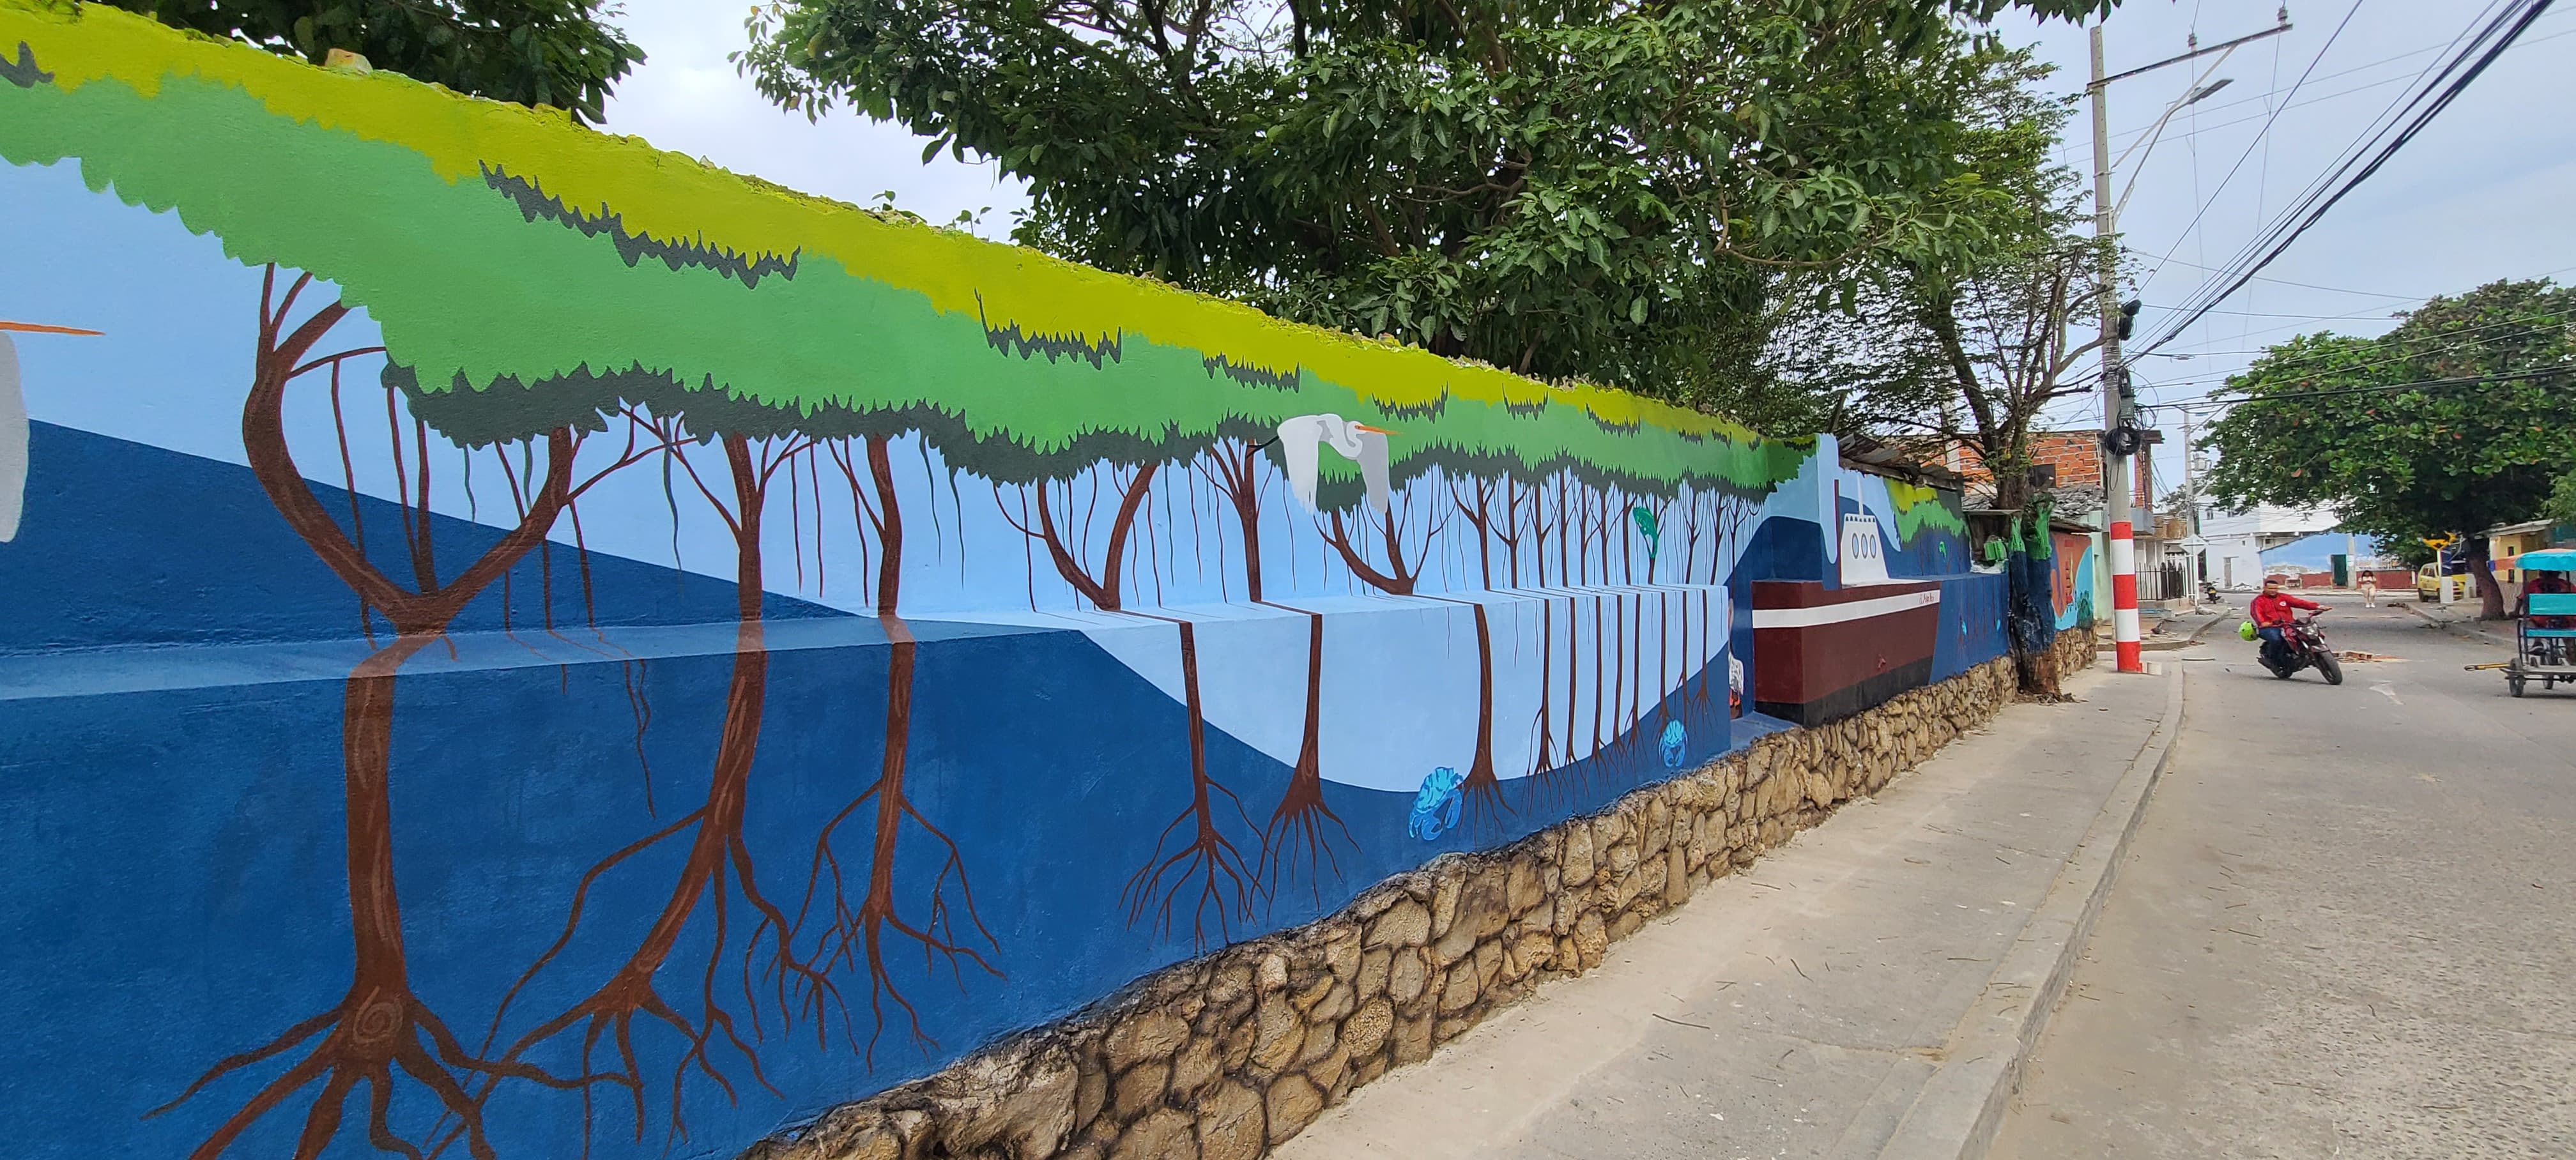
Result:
x=1226 y=1056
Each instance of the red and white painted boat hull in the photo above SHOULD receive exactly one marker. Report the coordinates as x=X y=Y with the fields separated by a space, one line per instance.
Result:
x=1821 y=654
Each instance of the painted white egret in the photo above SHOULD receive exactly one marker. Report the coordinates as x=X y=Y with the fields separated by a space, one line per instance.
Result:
x=1301 y=436
x=13 y=426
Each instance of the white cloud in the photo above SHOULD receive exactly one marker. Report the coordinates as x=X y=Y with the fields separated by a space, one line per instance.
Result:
x=687 y=98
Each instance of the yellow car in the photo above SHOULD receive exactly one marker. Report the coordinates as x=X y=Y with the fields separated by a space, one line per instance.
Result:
x=2428 y=587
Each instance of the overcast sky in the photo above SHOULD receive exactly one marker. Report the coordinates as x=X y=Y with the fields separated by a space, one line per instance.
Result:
x=2483 y=194
x=2480 y=195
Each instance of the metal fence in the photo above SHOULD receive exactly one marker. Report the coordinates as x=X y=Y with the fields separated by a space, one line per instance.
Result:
x=2162 y=582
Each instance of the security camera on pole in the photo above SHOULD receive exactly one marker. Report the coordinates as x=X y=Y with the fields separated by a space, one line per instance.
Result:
x=2120 y=435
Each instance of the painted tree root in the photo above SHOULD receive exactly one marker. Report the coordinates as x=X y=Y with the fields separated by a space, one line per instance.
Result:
x=380 y=1031
x=1226 y=1056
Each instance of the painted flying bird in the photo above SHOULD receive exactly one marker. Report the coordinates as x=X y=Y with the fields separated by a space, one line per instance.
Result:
x=1299 y=437
x=13 y=425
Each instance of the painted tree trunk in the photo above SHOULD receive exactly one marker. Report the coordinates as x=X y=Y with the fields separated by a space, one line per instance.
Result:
x=379 y=1026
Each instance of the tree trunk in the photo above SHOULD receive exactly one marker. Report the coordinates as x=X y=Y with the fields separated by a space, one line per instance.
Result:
x=2490 y=593
x=857 y=936
x=366 y=754
x=2030 y=612
x=1481 y=781
x=378 y=1028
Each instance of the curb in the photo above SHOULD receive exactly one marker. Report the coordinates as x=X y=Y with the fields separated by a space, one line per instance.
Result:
x=2458 y=629
x=1962 y=1103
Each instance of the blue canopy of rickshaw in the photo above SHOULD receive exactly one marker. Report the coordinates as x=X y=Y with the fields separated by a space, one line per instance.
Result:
x=2547 y=560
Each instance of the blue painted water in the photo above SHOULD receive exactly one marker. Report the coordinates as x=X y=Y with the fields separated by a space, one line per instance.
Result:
x=174 y=825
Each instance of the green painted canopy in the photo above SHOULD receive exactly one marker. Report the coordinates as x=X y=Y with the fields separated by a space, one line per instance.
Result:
x=528 y=273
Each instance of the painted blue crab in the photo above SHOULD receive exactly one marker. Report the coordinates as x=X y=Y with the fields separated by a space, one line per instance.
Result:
x=1436 y=804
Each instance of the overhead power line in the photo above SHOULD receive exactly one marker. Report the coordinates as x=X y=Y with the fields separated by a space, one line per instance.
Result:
x=2126 y=137
x=2374 y=388
x=2292 y=365
x=2453 y=333
x=2287 y=282
x=2510 y=334
x=2260 y=136
x=2362 y=160
x=2552 y=322
x=2527 y=324
x=2270 y=314
x=2298 y=366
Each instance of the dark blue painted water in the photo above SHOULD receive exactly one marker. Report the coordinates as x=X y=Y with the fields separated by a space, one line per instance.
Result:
x=174 y=827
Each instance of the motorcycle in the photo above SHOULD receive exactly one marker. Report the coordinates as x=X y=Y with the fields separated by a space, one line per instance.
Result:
x=2302 y=646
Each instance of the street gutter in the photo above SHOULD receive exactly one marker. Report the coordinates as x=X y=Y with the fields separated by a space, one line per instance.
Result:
x=2473 y=629
x=1962 y=1104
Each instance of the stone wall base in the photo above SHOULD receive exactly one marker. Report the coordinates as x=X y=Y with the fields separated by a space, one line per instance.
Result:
x=1226 y=1056
x=2075 y=648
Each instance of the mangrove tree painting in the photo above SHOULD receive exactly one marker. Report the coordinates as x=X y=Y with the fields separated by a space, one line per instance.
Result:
x=523 y=646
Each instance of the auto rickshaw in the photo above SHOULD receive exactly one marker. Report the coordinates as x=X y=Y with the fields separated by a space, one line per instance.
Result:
x=2544 y=624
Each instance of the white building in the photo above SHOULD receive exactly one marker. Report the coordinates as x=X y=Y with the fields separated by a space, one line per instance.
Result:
x=2235 y=540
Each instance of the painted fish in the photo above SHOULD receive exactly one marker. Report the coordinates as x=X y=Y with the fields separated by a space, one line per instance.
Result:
x=1676 y=741
x=1436 y=804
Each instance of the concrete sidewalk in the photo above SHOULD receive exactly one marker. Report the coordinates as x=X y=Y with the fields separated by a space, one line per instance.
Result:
x=1867 y=990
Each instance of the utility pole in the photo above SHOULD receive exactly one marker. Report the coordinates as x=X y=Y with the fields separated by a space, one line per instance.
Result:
x=2190 y=475
x=2191 y=509
x=2120 y=536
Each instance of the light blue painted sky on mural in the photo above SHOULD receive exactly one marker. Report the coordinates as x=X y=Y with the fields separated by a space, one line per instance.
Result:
x=176 y=359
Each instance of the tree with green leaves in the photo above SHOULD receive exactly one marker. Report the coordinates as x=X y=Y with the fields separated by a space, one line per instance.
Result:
x=1567 y=188
x=1966 y=347
x=562 y=53
x=2453 y=422
x=2562 y=499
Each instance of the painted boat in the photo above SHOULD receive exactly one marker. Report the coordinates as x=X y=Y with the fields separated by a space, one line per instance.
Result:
x=1821 y=654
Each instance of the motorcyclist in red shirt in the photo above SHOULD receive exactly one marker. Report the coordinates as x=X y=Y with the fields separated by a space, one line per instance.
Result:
x=2272 y=612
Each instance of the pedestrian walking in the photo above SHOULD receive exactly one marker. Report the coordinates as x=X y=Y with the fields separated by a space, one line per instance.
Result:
x=2369 y=585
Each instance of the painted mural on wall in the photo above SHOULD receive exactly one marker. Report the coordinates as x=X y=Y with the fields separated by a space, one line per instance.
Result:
x=2071 y=582
x=516 y=644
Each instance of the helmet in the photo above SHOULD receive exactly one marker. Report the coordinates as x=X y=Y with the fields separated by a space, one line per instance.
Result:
x=2246 y=630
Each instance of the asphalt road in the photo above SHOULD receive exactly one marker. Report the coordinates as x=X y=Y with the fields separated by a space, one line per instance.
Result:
x=2347 y=926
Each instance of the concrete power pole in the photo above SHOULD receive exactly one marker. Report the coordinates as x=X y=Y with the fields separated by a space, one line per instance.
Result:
x=2191 y=510
x=2119 y=537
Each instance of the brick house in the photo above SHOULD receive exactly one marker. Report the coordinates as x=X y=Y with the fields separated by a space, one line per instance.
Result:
x=2076 y=458
x=2075 y=461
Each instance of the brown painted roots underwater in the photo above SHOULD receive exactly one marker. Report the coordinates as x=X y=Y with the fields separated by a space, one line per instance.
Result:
x=380 y=1027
